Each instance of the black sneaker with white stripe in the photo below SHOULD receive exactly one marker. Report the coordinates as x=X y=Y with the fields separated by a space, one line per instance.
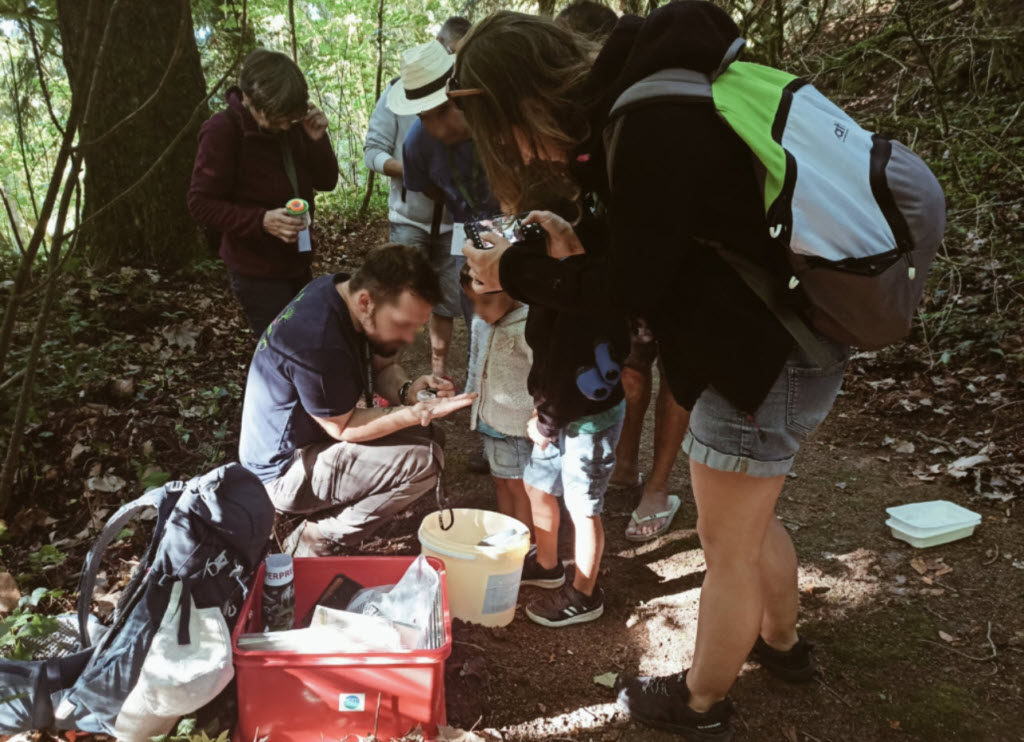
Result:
x=538 y=576
x=661 y=702
x=566 y=606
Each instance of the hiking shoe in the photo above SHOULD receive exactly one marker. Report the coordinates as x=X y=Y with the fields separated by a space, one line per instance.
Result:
x=795 y=664
x=536 y=575
x=661 y=702
x=566 y=606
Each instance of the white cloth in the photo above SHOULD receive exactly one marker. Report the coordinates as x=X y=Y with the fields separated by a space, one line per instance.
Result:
x=499 y=364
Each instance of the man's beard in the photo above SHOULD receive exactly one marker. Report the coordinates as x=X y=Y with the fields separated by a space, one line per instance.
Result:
x=382 y=350
x=386 y=350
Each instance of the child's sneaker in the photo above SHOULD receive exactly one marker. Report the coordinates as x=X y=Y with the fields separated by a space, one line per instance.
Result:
x=661 y=702
x=566 y=606
x=536 y=575
x=795 y=664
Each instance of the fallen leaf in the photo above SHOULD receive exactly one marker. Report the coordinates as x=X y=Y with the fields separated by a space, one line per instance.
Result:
x=903 y=447
x=789 y=732
x=106 y=483
x=77 y=450
x=606 y=679
x=183 y=335
x=959 y=467
x=919 y=566
x=9 y=593
x=945 y=637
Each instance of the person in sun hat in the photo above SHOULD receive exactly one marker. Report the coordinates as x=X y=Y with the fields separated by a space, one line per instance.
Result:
x=415 y=219
x=438 y=157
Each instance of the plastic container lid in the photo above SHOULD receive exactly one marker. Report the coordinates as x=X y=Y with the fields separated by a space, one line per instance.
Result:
x=925 y=519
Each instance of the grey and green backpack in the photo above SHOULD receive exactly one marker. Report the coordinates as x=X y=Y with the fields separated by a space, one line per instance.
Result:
x=859 y=215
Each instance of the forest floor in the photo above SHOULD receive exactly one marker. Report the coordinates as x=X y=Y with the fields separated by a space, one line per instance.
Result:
x=912 y=644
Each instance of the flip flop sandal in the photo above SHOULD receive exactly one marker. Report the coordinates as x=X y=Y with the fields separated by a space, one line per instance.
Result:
x=667 y=515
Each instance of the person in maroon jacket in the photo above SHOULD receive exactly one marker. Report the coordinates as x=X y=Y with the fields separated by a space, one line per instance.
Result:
x=268 y=147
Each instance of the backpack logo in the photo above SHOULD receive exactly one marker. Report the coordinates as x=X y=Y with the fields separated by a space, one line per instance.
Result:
x=840 y=131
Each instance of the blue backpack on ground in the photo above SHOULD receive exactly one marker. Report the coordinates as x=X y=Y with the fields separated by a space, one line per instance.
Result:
x=168 y=651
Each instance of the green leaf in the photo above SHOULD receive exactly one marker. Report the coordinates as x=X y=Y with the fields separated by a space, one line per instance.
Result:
x=155 y=478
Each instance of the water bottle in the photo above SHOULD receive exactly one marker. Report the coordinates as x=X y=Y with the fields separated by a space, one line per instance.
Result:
x=278 y=593
x=298 y=207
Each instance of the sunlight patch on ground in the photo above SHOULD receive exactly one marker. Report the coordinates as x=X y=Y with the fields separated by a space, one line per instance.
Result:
x=570 y=723
x=647 y=547
x=848 y=580
x=668 y=625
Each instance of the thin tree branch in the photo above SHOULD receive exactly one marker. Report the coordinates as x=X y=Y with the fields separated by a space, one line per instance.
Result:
x=98 y=61
x=13 y=220
x=70 y=130
x=19 y=126
x=10 y=465
x=179 y=45
x=291 y=26
x=42 y=78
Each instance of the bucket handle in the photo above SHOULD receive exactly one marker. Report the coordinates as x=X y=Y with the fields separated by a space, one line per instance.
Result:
x=452 y=554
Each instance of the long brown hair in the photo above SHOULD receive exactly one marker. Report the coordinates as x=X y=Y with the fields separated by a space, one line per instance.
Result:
x=531 y=72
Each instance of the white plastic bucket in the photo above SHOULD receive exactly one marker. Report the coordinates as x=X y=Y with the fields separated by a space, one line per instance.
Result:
x=483 y=580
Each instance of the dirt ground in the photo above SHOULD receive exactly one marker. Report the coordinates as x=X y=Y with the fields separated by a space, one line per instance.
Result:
x=912 y=644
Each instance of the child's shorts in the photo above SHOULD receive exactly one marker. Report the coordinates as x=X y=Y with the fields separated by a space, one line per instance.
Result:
x=507 y=456
x=721 y=437
x=576 y=467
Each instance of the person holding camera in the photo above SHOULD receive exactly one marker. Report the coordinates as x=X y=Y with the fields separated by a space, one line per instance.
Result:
x=268 y=147
x=682 y=180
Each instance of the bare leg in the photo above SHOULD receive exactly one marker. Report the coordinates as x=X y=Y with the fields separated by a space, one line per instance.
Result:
x=779 y=588
x=440 y=340
x=637 y=387
x=589 y=547
x=734 y=513
x=544 y=508
x=670 y=423
x=506 y=498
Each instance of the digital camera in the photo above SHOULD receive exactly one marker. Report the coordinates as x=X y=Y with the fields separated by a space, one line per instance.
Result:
x=509 y=227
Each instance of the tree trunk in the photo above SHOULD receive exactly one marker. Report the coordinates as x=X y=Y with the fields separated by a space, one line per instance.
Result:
x=546 y=8
x=149 y=70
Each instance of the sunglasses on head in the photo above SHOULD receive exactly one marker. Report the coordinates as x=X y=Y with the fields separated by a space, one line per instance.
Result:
x=456 y=92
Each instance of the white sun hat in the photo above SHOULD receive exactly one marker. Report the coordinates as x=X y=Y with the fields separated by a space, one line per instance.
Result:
x=425 y=72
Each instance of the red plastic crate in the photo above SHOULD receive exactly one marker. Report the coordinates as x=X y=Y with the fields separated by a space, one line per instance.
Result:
x=303 y=697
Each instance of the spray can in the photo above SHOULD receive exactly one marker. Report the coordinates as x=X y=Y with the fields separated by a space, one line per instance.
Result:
x=278 y=593
x=298 y=207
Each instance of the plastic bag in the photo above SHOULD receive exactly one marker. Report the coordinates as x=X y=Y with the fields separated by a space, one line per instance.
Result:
x=408 y=604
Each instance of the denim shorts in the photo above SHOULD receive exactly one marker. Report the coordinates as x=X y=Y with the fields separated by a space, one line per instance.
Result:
x=438 y=251
x=763 y=445
x=507 y=456
x=576 y=467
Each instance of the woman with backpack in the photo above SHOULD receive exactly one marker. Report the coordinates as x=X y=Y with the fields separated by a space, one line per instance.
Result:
x=537 y=100
x=259 y=163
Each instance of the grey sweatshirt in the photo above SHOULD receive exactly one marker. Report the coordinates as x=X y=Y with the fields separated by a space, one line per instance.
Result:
x=384 y=139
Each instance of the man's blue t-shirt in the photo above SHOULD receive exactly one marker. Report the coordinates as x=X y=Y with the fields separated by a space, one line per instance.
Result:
x=308 y=362
x=456 y=170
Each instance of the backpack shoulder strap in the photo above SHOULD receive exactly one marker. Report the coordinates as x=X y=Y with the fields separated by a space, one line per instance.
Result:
x=125 y=514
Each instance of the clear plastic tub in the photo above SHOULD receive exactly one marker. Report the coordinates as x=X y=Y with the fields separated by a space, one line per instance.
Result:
x=924 y=524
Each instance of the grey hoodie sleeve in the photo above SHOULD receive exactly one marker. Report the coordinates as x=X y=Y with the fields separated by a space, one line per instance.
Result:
x=381 y=136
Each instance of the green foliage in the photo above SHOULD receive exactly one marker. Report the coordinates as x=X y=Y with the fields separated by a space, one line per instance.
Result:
x=26 y=623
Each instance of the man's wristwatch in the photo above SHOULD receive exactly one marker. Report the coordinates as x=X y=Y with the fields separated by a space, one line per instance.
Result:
x=404 y=390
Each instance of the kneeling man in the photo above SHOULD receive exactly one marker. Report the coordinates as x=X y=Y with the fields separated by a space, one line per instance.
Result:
x=310 y=431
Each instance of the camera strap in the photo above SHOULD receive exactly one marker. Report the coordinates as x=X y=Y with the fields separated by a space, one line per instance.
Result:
x=475 y=173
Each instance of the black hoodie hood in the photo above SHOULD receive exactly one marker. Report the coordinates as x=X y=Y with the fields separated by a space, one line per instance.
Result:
x=693 y=34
